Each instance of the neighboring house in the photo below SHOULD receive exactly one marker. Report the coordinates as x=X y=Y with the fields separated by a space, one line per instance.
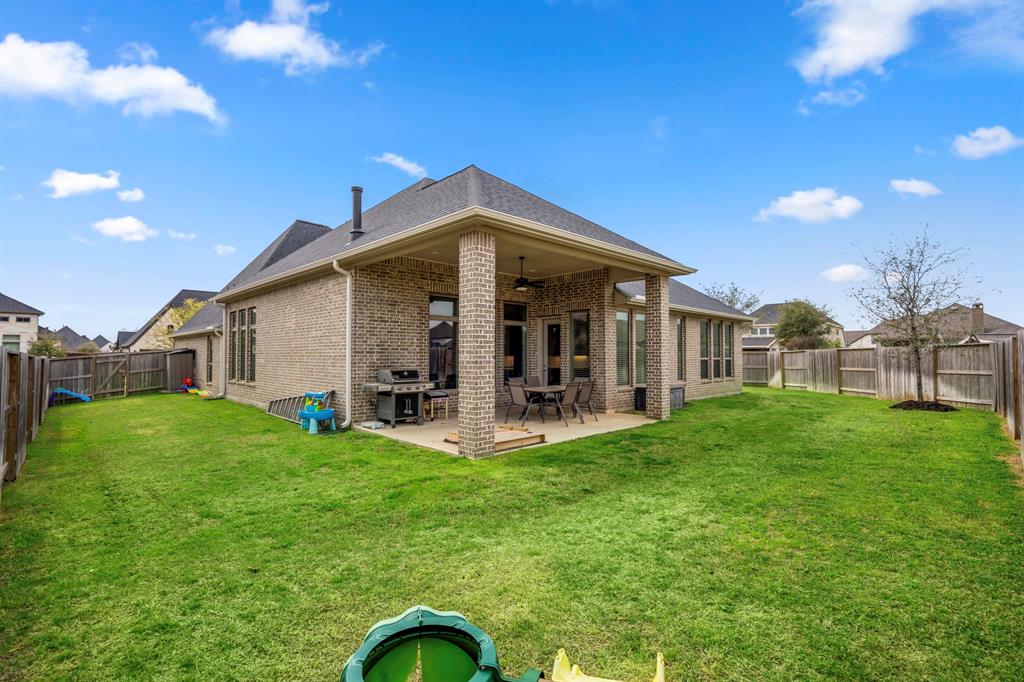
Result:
x=102 y=343
x=19 y=324
x=148 y=336
x=761 y=334
x=430 y=279
x=202 y=333
x=70 y=340
x=122 y=339
x=958 y=324
x=858 y=339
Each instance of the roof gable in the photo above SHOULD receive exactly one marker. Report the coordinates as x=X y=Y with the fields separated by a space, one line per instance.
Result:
x=13 y=305
x=209 y=318
x=771 y=313
x=100 y=340
x=427 y=200
x=176 y=300
x=297 y=235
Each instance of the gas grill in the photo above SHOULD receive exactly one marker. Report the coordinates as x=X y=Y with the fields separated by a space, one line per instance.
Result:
x=399 y=395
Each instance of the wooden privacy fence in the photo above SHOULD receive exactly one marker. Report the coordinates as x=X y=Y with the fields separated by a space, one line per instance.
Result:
x=979 y=375
x=23 y=403
x=105 y=375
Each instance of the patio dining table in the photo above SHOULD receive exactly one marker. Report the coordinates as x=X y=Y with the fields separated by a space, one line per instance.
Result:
x=554 y=390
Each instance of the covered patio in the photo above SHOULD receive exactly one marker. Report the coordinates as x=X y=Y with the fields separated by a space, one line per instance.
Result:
x=434 y=434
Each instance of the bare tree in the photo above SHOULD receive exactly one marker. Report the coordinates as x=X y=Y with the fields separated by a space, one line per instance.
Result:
x=734 y=295
x=909 y=291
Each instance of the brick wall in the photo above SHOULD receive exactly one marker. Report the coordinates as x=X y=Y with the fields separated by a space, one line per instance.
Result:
x=300 y=341
x=199 y=345
x=476 y=344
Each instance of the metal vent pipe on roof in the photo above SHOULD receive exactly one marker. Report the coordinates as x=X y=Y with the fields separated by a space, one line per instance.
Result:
x=357 y=212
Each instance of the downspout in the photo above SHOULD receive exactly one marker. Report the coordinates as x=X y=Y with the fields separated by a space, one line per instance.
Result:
x=224 y=356
x=348 y=342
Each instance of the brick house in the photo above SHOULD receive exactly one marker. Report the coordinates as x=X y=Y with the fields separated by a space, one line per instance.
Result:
x=19 y=324
x=203 y=333
x=433 y=279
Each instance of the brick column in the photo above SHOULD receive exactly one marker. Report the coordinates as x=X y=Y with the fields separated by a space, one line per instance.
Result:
x=476 y=344
x=659 y=345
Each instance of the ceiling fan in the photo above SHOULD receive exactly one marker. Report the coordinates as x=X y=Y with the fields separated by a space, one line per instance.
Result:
x=522 y=283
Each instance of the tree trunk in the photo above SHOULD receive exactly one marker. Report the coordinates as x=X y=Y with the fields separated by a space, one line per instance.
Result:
x=917 y=373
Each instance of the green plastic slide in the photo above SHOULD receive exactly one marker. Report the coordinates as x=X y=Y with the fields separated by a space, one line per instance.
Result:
x=442 y=645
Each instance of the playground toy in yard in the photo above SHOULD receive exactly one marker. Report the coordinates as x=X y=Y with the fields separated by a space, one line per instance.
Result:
x=442 y=646
x=315 y=411
x=71 y=394
x=187 y=386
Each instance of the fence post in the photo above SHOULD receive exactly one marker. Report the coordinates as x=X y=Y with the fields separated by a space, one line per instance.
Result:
x=92 y=378
x=935 y=373
x=127 y=371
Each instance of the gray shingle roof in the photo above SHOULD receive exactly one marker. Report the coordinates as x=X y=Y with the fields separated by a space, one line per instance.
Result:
x=770 y=313
x=428 y=200
x=13 y=305
x=297 y=235
x=100 y=340
x=208 y=318
x=681 y=295
x=757 y=342
x=68 y=337
x=123 y=337
x=176 y=300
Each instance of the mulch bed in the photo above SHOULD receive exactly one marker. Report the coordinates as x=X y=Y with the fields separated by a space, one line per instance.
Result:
x=926 y=405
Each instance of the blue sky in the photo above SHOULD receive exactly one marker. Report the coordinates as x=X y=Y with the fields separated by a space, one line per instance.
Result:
x=688 y=127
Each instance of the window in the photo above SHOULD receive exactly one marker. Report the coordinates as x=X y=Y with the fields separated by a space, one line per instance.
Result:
x=23 y=319
x=5 y=318
x=444 y=337
x=515 y=340
x=232 y=345
x=640 y=322
x=252 y=344
x=717 y=327
x=680 y=348
x=580 y=330
x=728 y=349
x=705 y=349
x=621 y=348
x=12 y=343
x=209 y=358
x=243 y=335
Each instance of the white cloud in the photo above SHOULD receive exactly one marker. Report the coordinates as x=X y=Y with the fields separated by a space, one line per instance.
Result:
x=984 y=142
x=66 y=183
x=864 y=34
x=817 y=205
x=183 y=236
x=223 y=249
x=844 y=273
x=286 y=38
x=834 y=97
x=127 y=229
x=61 y=70
x=923 y=151
x=919 y=188
x=403 y=164
x=80 y=239
x=131 y=195
x=659 y=126
x=138 y=53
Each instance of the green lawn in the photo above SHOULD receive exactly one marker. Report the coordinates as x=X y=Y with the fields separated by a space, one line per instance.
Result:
x=767 y=535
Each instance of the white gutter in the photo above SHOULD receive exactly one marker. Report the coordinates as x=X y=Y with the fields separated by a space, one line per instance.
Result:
x=348 y=342
x=640 y=300
x=224 y=357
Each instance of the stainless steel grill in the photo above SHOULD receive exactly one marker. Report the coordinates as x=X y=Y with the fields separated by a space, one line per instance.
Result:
x=399 y=394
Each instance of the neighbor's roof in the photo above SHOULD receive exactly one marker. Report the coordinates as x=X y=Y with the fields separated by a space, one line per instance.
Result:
x=757 y=342
x=851 y=336
x=100 y=340
x=770 y=313
x=13 y=305
x=177 y=300
x=428 y=200
x=68 y=337
x=207 y=319
x=958 y=321
x=683 y=296
x=123 y=337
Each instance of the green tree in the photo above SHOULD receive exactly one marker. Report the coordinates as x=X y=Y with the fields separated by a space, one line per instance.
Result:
x=178 y=316
x=47 y=346
x=802 y=324
x=88 y=347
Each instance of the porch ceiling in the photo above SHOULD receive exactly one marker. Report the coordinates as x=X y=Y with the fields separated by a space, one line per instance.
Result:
x=542 y=259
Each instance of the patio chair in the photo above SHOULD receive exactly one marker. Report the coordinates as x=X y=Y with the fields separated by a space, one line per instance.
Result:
x=568 y=400
x=584 y=398
x=533 y=381
x=520 y=399
x=518 y=381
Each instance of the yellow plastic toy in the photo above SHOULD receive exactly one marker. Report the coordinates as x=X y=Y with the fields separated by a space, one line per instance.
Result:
x=563 y=671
